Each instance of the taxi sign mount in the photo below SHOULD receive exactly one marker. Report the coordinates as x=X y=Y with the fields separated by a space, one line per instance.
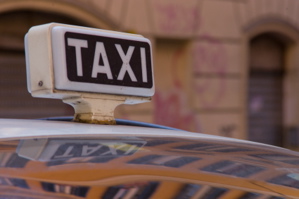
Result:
x=93 y=70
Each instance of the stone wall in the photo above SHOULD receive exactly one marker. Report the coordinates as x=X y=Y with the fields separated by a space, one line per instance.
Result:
x=200 y=51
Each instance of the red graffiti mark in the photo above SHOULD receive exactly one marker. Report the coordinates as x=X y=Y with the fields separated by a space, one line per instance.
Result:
x=173 y=18
x=209 y=58
x=175 y=60
x=171 y=110
x=171 y=107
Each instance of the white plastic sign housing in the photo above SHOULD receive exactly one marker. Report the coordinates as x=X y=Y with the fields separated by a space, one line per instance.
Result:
x=92 y=70
x=64 y=60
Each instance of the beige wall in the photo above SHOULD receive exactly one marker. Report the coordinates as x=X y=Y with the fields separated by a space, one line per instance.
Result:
x=198 y=44
x=203 y=47
x=200 y=50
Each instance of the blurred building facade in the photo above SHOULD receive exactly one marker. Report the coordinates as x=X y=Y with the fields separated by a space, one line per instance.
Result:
x=223 y=67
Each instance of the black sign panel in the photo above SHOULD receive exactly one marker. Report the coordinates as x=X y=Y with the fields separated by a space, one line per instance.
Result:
x=108 y=61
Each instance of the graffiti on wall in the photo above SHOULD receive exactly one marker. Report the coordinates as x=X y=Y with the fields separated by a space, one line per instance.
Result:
x=171 y=110
x=228 y=130
x=171 y=106
x=176 y=18
x=210 y=64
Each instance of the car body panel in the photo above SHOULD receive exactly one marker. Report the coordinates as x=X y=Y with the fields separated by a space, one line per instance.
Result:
x=71 y=160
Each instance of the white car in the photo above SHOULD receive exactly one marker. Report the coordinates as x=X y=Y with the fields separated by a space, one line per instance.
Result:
x=60 y=159
x=79 y=157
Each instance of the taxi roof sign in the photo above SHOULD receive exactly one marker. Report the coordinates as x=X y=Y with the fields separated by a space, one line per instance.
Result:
x=90 y=60
x=68 y=62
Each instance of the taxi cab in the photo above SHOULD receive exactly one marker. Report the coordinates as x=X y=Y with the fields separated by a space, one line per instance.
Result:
x=93 y=155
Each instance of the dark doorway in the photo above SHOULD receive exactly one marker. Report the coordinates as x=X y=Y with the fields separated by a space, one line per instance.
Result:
x=265 y=92
x=15 y=101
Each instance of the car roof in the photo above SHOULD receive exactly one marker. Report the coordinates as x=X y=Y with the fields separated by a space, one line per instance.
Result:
x=27 y=128
x=143 y=155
